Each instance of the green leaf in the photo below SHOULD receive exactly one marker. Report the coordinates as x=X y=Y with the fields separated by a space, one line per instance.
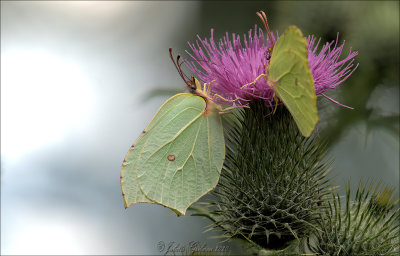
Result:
x=292 y=81
x=179 y=156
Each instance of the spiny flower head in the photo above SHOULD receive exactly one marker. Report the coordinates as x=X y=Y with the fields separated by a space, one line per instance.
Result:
x=367 y=225
x=229 y=64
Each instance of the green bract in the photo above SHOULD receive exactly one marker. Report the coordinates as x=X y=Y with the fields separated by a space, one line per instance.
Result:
x=291 y=78
x=178 y=157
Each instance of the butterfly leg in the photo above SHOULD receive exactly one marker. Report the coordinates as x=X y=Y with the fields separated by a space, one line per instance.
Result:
x=262 y=75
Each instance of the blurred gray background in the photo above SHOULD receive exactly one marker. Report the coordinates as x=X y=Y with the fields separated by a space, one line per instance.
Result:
x=80 y=80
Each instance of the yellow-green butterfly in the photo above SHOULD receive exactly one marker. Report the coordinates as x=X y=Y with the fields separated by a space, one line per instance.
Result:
x=289 y=75
x=294 y=85
x=178 y=157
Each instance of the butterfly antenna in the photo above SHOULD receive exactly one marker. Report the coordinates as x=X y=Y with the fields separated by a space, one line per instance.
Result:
x=185 y=77
x=264 y=20
x=177 y=65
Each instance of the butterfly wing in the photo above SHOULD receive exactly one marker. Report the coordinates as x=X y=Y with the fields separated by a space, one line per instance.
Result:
x=293 y=83
x=131 y=191
x=180 y=157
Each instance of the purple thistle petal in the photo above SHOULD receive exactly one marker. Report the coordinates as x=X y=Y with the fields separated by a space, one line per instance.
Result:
x=325 y=68
x=336 y=102
x=228 y=65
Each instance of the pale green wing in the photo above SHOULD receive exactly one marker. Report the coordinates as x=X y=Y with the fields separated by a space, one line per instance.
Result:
x=183 y=158
x=129 y=184
x=294 y=85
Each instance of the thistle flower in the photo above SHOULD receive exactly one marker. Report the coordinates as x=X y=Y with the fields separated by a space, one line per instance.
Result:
x=273 y=182
x=369 y=225
x=229 y=65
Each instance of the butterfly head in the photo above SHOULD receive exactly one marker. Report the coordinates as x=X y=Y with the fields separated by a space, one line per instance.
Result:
x=194 y=85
